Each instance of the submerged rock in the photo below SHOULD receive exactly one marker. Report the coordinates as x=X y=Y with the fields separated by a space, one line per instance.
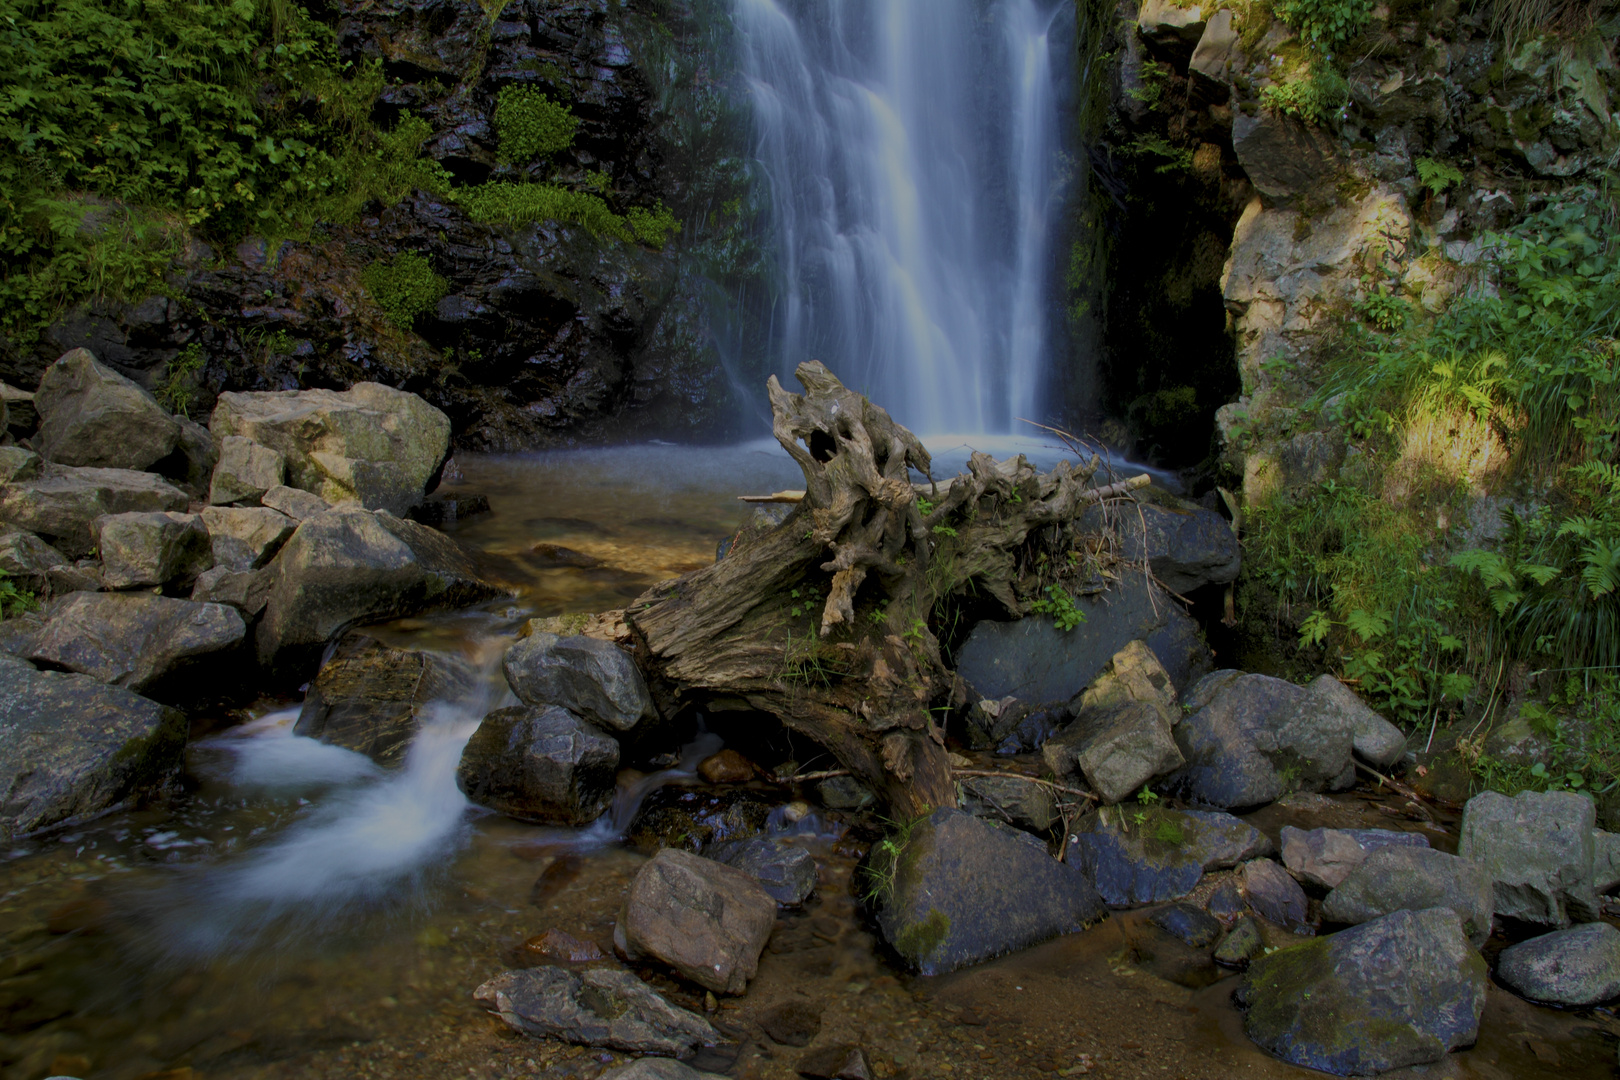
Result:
x=1537 y=850
x=839 y=1061
x=89 y=415
x=1414 y=878
x=1402 y=990
x=135 y=640
x=1577 y=967
x=594 y=678
x=1192 y=925
x=156 y=548
x=784 y=870
x=539 y=764
x=1164 y=856
x=696 y=820
x=1325 y=857
x=706 y=920
x=962 y=890
x=60 y=503
x=595 y=1008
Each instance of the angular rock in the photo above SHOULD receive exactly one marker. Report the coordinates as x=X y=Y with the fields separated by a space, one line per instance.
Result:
x=707 y=920
x=298 y=505
x=1281 y=156
x=1402 y=990
x=372 y=698
x=1191 y=925
x=786 y=872
x=840 y=1061
x=1226 y=902
x=594 y=678
x=349 y=565
x=1219 y=50
x=1164 y=856
x=71 y=747
x=139 y=550
x=539 y=764
x=1575 y=968
x=600 y=1007
x=245 y=590
x=1116 y=753
x=60 y=503
x=658 y=1069
x=245 y=471
x=369 y=444
x=1536 y=848
x=1241 y=944
x=1016 y=802
x=245 y=537
x=1605 y=848
x=1374 y=739
x=1414 y=879
x=1325 y=857
x=28 y=560
x=1186 y=546
x=963 y=890
x=195 y=455
x=89 y=415
x=1170 y=23
x=1274 y=895
x=1134 y=676
x=18 y=464
x=134 y=640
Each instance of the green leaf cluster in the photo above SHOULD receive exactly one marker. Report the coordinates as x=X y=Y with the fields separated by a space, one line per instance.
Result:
x=405 y=287
x=1316 y=96
x=1437 y=176
x=1060 y=606
x=1327 y=25
x=14 y=600
x=530 y=126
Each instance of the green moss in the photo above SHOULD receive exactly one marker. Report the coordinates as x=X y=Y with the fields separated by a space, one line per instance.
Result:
x=652 y=227
x=918 y=941
x=531 y=126
x=404 y=288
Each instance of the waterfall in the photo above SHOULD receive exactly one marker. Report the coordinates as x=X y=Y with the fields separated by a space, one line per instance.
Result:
x=914 y=158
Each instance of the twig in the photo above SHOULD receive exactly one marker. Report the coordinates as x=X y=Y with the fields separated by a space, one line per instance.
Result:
x=827 y=774
x=1402 y=790
x=1025 y=779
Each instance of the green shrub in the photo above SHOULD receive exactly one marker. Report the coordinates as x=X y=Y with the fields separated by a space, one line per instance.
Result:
x=1315 y=97
x=404 y=288
x=531 y=126
x=652 y=227
x=179 y=384
x=503 y=203
x=1328 y=25
x=13 y=600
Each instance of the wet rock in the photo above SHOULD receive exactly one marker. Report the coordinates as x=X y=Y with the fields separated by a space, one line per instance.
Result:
x=844 y=793
x=726 y=767
x=556 y=944
x=1605 y=845
x=964 y=890
x=1577 y=967
x=369 y=444
x=18 y=464
x=792 y=1023
x=1402 y=990
x=786 y=872
x=443 y=509
x=89 y=415
x=539 y=764
x=1414 y=879
x=60 y=503
x=145 y=549
x=840 y=1061
x=696 y=821
x=298 y=505
x=601 y=1007
x=658 y=1069
x=1191 y=925
x=1016 y=802
x=245 y=590
x=1117 y=753
x=245 y=471
x=1325 y=857
x=372 y=698
x=1241 y=944
x=594 y=678
x=349 y=565
x=1274 y=895
x=135 y=640
x=1164 y=856
x=28 y=560
x=707 y=920
x=71 y=747
x=245 y=537
x=1374 y=739
x=1537 y=850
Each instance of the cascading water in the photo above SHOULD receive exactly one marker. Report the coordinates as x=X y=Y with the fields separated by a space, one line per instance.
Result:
x=914 y=158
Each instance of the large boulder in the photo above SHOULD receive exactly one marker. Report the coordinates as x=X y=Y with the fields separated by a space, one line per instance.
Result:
x=92 y=416
x=372 y=698
x=139 y=550
x=1537 y=850
x=706 y=920
x=1186 y=546
x=541 y=764
x=1578 y=967
x=17 y=463
x=1325 y=857
x=1374 y=739
x=350 y=565
x=28 y=561
x=137 y=640
x=71 y=747
x=1281 y=156
x=245 y=537
x=1163 y=856
x=961 y=890
x=1402 y=990
x=594 y=678
x=244 y=472
x=369 y=444
x=60 y=503
x=1414 y=878
x=600 y=1007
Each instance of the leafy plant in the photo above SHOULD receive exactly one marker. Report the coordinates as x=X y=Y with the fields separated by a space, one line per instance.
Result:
x=179 y=383
x=1316 y=96
x=1437 y=176
x=404 y=288
x=14 y=600
x=1060 y=605
x=1328 y=25
x=884 y=861
x=530 y=126
x=1384 y=310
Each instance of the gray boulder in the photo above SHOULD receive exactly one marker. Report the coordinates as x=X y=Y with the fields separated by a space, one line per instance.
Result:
x=1281 y=156
x=372 y=698
x=1576 y=968
x=60 y=503
x=298 y=505
x=1219 y=49
x=657 y=1069
x=134 y=640
x=1605 y=845
x=964 y=890
x=599 y=1007
x=1162 y=857
x=1117 y=753
x=1016 y=802
x=1325 y=857
x=1413 y=879
x=89 y=415
x=1402 y=990
x=245 y=537
x=1169 y=23
x=245 y=590
x=194 y=458
x=1274 y=895
x=139 y=550
x=594 y=678
x=18 y=464
x=706 y=920
x=1374 y=739
x=28 y=560
x=1186 y=545
x=245 y=471
x=369 y=444
x=1537 y=850
x=72 y=747
x=784 y=870
x=539 y=764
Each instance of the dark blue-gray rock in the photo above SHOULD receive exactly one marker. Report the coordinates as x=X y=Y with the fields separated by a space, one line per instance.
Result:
x=1010 y=726
x=373 y=698
x=1374 y=739
x=91 y=416
x=1187 y=546
x=1605 y=859
x=539 y=764
x=60 y=503
x=1577 y=967
x=1226 y=902
x=1241 y=944
x=136 y=640
x=71 y=747
x=1194 y=926
x=962 y=890
x=589 y=676
x=1325 y=857
x=1537 y=850
x=1162 y=857
x=1013 y=801
x=786 y=871
x=1414 y=878
x=160 y=547
x=1403 y=990
x=1202 y=691
x=1274 y=895
x=599 y=1007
